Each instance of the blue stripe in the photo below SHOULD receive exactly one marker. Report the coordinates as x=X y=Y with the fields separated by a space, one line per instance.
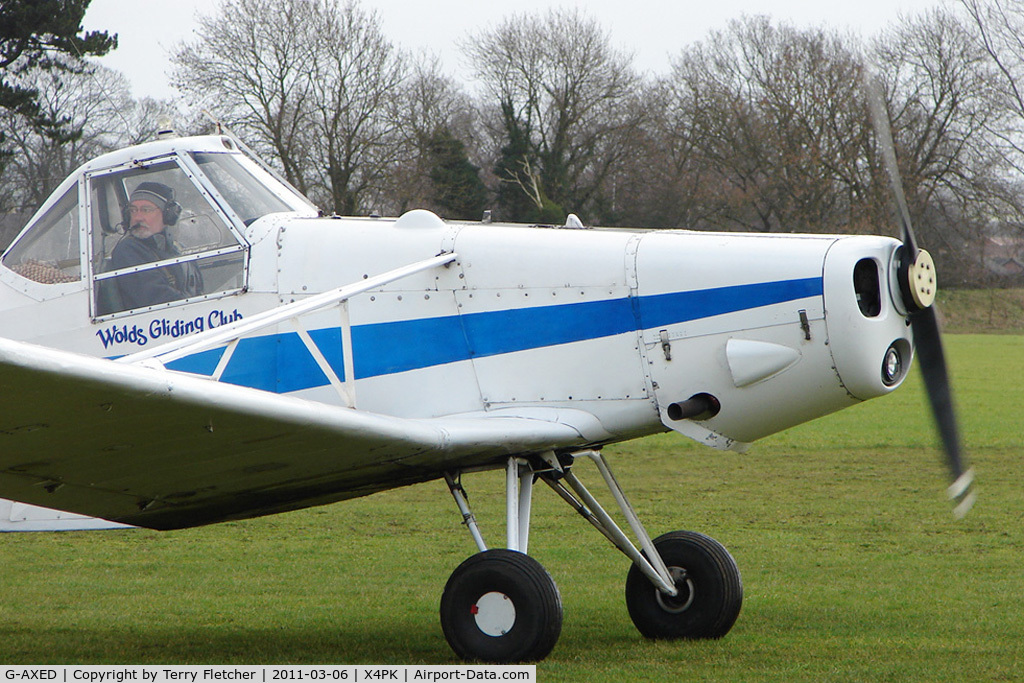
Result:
x=387 y=348
x=280 y=363
x=677 y=307
x=496 y=332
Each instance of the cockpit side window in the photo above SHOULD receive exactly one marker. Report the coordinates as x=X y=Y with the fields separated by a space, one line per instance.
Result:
x=49 y=253
x=157 y=240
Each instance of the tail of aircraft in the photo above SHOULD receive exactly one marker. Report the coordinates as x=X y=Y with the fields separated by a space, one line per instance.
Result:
x=16 y=516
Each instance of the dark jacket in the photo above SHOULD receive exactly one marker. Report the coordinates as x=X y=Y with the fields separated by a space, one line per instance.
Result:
x=157 y=285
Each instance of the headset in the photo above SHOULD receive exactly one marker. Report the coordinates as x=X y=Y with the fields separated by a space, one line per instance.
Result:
x=172 y=212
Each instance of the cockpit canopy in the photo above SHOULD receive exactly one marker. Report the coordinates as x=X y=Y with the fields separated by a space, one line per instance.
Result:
x=217 y=193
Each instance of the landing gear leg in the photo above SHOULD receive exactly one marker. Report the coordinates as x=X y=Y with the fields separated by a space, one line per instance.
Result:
x=682 y=585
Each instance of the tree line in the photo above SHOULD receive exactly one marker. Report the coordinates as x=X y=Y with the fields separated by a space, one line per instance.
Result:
x=761 y=126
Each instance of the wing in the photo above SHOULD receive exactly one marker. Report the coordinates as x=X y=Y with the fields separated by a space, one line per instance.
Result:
x=164 y=450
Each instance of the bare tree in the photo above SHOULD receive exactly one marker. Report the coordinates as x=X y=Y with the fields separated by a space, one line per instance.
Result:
x=356 y=86
x=94 y=101
x=946 y=105
x=998 y=28
x=560 y=100
x=315 y=83
x=251 y=65
x=433 y=109
x=766 y=127
x=662 y=180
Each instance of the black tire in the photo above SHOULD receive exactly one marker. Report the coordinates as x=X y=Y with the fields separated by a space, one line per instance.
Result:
x=502 y=607
x=710 y=590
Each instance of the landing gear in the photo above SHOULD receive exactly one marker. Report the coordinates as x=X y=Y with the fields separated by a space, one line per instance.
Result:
x=709 y=595
x=501 y=606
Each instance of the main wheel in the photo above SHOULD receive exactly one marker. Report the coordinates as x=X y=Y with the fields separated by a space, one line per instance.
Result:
x=501 y=606
x=710 y=591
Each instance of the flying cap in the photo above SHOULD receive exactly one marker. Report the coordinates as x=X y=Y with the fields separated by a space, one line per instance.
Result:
x=157 y=193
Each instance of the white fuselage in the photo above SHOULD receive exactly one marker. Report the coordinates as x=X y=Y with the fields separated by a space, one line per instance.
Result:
x=620 y=323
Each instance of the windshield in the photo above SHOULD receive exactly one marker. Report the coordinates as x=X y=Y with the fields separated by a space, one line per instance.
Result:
x=250 y=191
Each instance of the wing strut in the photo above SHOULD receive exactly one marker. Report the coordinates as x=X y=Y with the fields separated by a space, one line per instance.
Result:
x=231 y=333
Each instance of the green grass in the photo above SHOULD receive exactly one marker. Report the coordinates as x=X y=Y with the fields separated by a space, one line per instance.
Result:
x=853 y=567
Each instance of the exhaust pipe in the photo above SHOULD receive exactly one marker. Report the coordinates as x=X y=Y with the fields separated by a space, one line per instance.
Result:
x=697 y=407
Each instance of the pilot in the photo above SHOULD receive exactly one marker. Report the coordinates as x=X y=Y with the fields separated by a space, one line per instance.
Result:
x=150 y=211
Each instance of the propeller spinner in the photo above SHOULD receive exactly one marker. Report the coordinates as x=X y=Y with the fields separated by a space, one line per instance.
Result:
x=917 y=283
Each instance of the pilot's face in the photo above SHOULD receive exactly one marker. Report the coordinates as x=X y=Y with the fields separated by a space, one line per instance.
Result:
x=146 y=218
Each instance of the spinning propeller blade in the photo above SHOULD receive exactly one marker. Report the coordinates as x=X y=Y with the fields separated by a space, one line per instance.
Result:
x=917 y=284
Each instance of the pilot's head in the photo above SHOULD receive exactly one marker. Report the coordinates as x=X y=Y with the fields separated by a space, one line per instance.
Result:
x=151 y=207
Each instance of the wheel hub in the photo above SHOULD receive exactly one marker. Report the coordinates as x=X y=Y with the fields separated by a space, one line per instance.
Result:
x=684 y=598
x=495 y=614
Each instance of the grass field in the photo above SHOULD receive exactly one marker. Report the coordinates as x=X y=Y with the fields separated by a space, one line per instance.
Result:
x=999 y=311
x=853 y=567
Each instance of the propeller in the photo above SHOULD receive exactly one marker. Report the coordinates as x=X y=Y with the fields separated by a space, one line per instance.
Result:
x=916 y=276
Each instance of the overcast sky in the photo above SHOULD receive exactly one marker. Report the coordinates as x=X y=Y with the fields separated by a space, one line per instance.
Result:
x=653 y=30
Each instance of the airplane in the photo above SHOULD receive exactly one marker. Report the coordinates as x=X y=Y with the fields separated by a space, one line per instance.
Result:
x=287 y=359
